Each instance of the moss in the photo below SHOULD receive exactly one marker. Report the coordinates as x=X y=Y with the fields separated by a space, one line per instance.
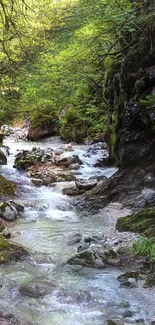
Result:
x=142 y=222
x=23 y=164
x=6 y=187
x=4 y=244
x=3 y=205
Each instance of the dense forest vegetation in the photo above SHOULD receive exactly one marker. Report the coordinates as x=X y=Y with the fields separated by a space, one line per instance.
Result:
x=56 y=58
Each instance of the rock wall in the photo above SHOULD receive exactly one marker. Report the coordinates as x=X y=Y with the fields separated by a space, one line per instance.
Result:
x=131 y=81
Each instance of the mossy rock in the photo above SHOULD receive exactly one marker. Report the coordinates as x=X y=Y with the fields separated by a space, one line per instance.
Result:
x=6 y=187
x=9 y=251
x=23 y=164
x=142 y=222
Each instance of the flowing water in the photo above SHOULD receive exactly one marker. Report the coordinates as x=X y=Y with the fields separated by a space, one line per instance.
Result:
x=79 y=296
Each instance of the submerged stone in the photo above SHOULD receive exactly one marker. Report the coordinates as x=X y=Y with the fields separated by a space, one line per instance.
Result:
x=35 y=289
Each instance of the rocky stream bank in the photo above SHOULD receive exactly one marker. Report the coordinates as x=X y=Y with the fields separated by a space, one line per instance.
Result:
x=85 y=270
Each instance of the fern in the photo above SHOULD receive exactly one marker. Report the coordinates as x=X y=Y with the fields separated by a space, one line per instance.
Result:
x=145 y=247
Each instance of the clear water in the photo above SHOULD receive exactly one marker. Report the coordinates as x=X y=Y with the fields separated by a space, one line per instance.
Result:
x=79 y=296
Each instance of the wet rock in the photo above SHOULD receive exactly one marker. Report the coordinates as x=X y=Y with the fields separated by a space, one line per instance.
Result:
x=95 y=256
x=6 y=129
x=87 y=258
x=124 y=304
x=77 y=297
x=74 y=239
x=67 y=147
x=6 y=233
x=150 y=281
x=3 y=159
x=19 y=207
x=140 y=321
x=25 y=158
x=85 y=185
x=130 y=283
x=10 y=252
x=49 y=174
x=58 y=152
x=8 y=211
x=10 y=319
x=72 y=191
x=74 y=166
x=68 y=160
x=36 y=181
x=87 y=241
x=128 y=314
x=83 y=246
x=35 y=289
x=128 y=275
x=114 y=322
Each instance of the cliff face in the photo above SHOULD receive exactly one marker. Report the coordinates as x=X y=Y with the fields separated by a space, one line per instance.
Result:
x=128 y=86
x=131 y=81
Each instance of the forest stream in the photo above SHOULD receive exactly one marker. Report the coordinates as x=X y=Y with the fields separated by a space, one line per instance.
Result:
x=78 y=295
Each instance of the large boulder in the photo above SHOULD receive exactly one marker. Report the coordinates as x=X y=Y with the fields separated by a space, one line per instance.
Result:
x=96 y=256
x=42 y=128
x=9 y=210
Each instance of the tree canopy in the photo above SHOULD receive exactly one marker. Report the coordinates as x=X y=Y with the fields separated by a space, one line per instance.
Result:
x=56 y=55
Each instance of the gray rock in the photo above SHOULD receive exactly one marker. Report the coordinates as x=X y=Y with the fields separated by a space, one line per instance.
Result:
x=69 y=160
x=77 y=297
x=35 y=289
x=130 y=283
x=8 y=211
x=95 y=256
x=75 y=166
x=74 y=239
x=10 y=319
x=19 y=207
x=88 y=258
x=58 y=151
x=85 y=185
x=6 y=233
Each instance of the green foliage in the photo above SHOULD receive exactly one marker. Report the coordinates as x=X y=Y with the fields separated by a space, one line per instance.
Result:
x=58 y=54
x=145 y=247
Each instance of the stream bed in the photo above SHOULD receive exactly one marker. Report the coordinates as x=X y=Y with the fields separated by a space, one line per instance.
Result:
x=79 y=295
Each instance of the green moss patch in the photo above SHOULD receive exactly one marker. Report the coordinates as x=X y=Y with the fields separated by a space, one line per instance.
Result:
x=4 y=244
x=6 y=187
x=142 y=222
